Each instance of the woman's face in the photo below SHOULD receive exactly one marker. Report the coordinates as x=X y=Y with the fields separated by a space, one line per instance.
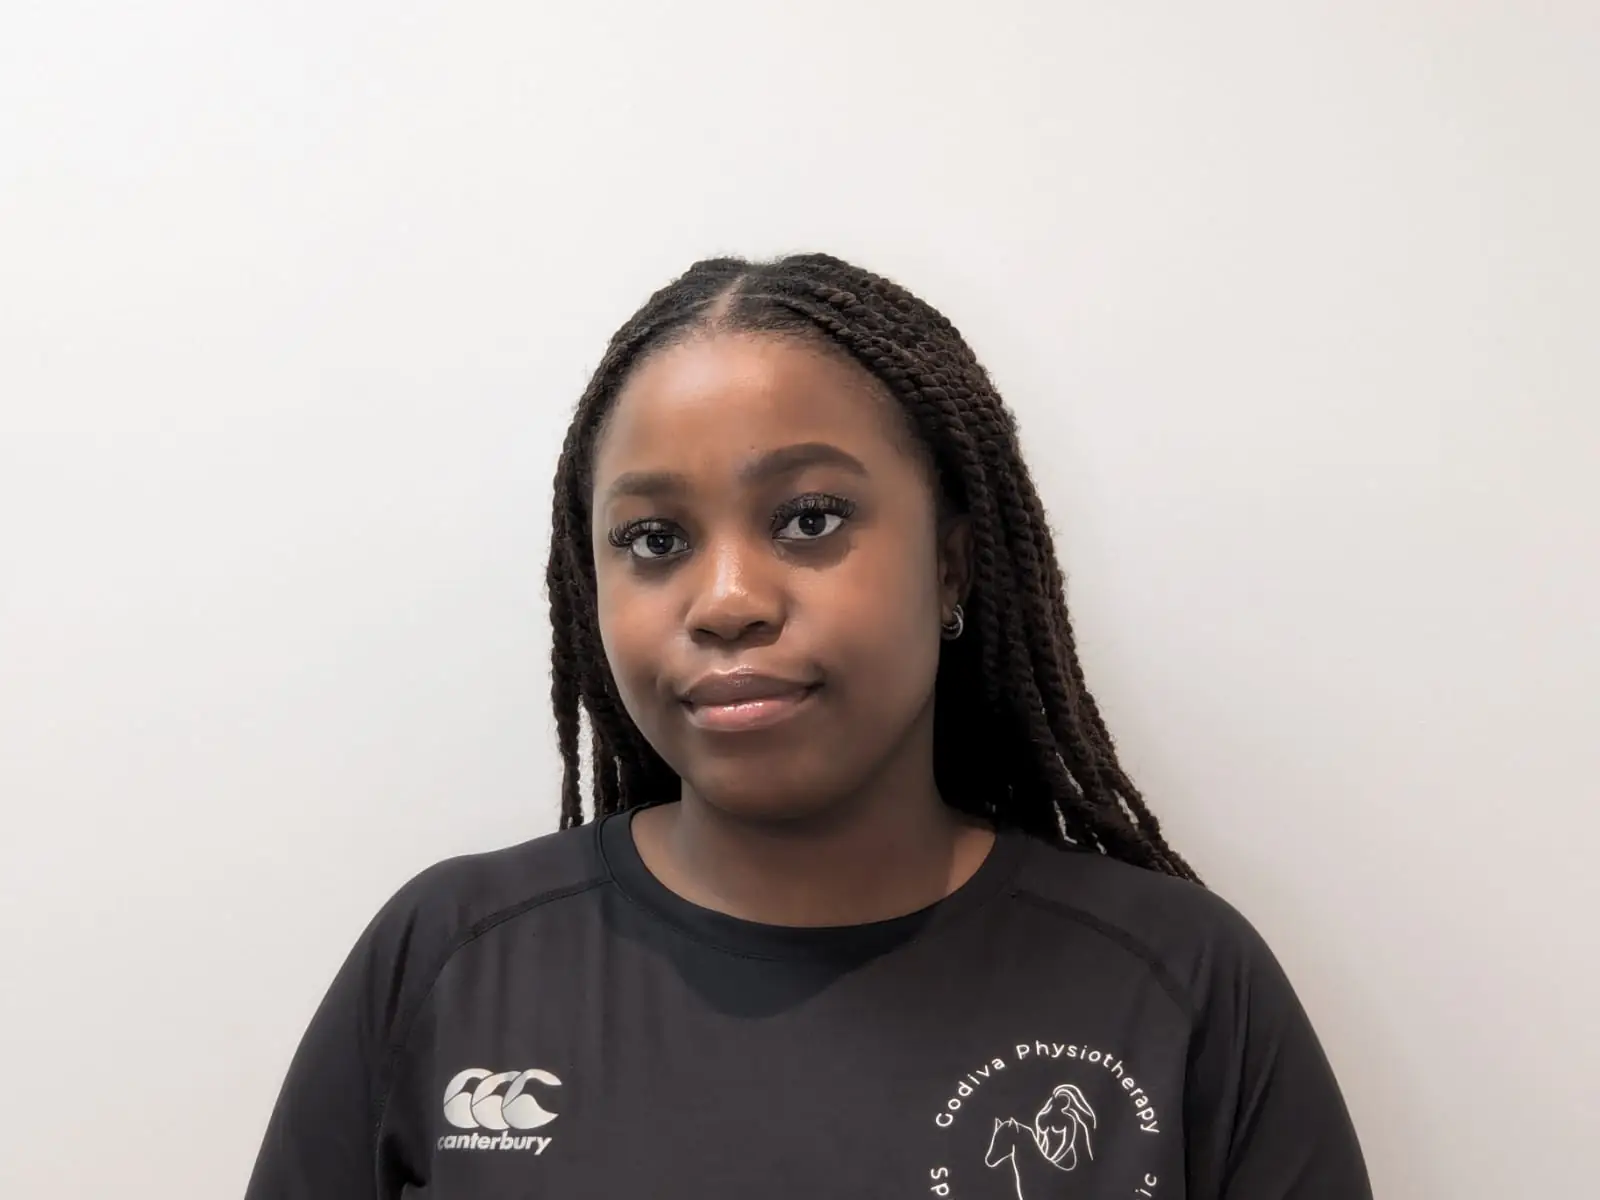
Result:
x=771 y=573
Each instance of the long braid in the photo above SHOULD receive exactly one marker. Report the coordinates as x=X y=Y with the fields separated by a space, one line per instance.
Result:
x=1019 y=738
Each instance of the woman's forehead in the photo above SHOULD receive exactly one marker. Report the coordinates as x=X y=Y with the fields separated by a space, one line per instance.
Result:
x=735 y=394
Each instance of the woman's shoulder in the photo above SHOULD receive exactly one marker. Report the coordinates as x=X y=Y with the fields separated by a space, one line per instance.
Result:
x=1193 y=939
x=452 y=903
x=463 y=893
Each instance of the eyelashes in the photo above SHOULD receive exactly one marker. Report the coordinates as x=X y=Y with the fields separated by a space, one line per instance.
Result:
x=812 y=517
x=834 y=509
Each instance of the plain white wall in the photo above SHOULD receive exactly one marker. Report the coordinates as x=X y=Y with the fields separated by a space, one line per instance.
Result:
x=1298 y=306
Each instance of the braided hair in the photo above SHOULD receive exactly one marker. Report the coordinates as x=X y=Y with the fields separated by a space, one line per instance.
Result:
x=1019 y=741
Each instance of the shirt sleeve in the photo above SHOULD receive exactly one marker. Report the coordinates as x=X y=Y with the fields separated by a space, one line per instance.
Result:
x=321 y=1141
x=1265 y=1116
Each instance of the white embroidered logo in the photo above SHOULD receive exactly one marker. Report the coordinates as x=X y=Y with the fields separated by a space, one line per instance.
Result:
x=1069 y=1132
x=500 y=1101
x=1055 y=1134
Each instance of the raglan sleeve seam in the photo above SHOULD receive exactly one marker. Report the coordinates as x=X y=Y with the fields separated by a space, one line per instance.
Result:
x=1129 y=943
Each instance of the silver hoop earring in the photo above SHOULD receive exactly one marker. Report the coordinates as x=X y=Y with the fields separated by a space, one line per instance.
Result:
x=954 y=628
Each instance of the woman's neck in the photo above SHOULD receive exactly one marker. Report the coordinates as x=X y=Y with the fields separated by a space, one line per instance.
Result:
x=868 y=861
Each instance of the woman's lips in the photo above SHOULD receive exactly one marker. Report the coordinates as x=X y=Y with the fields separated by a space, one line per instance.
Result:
x=744 y=715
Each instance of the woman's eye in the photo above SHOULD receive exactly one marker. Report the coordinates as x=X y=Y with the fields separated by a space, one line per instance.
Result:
x=808 y=526
x=653 y=544
x=810 y=518
x=648 y=541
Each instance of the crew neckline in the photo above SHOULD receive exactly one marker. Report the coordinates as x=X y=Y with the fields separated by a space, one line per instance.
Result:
x=754 y=939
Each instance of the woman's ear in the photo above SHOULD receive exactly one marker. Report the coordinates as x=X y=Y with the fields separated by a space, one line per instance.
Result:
x=955 y=562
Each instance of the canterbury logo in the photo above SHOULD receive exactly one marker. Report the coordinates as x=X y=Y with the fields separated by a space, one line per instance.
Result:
x=479 y=1099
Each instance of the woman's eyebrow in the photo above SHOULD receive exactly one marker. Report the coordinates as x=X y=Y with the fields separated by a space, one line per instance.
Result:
x=785 y=460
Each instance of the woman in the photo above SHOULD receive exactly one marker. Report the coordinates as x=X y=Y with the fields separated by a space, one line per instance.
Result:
x=867 y=880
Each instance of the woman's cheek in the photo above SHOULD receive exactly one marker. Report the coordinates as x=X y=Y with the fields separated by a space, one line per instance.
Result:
x=631 y=642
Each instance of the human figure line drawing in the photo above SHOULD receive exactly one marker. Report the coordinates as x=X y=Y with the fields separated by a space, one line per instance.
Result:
x=1063 y=1127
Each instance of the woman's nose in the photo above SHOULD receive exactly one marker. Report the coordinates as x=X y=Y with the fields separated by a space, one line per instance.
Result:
x=737 y=592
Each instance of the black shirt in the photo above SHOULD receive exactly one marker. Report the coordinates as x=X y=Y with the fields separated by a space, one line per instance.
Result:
x=549 y=1022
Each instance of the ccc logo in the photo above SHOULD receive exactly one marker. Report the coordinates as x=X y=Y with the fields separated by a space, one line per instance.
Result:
x=479 y=1099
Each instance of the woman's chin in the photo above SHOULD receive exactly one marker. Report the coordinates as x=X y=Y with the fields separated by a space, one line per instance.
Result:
x=761 y=800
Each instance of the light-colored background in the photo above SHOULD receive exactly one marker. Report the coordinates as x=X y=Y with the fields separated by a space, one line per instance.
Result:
x=1298 y=306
